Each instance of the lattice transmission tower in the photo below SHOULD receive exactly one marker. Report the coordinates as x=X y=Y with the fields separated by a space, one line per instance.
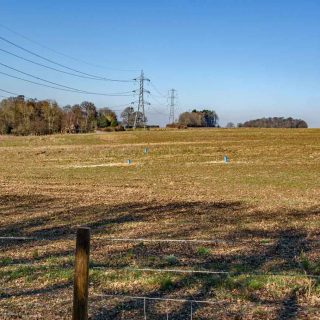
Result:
x=141 y=101
x=172 y=97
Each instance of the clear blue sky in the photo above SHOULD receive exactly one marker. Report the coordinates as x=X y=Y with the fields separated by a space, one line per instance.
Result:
x=245 y=59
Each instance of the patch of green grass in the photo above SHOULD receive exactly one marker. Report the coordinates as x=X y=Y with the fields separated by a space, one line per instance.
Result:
x=96 y=276
x=244 y=282
x=59 y=274
x=256 y=284
x=166 y=282
x=265 y=241
x=308 y=265
x=31 y=273
x=52 y=260
x=5 y=261
x=17 y=272
x=100 y=276
x=152 y=260
x=171 y=260
x=203 y=251
x=237 y=268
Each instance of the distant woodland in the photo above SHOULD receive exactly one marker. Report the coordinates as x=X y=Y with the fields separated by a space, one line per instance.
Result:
x=274 y=123
x=19 y=116
x=204 y=118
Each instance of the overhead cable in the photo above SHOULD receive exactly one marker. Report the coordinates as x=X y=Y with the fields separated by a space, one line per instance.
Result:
x=63 y=54
x=158 y=91
x=63 y=89
x=61 y=65
x=57 y=84
x=58 y=70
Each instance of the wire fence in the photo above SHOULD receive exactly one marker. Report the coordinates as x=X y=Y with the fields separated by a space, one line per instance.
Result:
x=196 y=241
x=190 y=302
x=209 y=272
x=191 y=307
x=145 y=298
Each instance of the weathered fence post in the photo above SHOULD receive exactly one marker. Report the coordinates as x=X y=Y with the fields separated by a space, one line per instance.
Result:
x=81 y=275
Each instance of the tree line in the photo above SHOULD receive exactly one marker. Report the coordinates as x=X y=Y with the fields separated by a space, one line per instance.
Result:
x=22 y=116
x=275 y=122
x=204 y=118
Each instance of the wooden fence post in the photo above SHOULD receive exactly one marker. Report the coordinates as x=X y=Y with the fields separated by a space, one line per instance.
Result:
x=81 y=275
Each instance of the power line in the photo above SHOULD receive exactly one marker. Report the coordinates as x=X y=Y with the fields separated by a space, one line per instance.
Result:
x=38 y=78
x=156 y=100
x=64 y=86
x=63 y=54
x=62 y=89
x=15 y=94
x=158 y=91
x=115 y=108
x=59 y=64
x=8 y=92
x=158 y=112
x=61 y=71
x=37 y=83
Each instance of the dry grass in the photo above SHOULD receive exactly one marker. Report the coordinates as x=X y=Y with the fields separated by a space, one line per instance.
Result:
x=264 y=207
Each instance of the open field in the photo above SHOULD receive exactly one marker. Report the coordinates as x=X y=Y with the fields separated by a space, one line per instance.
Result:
x=263 y=208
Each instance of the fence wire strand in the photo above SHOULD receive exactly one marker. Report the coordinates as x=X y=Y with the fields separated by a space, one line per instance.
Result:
x=145 y=298
x=19 y=238
x=304 y=275
x=164 y=240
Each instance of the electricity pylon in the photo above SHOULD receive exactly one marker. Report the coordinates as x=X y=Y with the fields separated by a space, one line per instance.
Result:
x=172 y=104
x=141 y=102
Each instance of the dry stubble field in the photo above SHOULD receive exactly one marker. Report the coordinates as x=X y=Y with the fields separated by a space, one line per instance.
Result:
x=262 y=208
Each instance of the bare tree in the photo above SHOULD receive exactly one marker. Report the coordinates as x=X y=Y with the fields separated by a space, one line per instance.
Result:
x=128 y=116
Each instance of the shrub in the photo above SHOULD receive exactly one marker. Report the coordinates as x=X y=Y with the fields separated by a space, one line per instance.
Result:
x=171 y=260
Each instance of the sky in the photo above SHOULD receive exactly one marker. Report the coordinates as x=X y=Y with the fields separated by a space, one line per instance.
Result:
x=245 y=59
